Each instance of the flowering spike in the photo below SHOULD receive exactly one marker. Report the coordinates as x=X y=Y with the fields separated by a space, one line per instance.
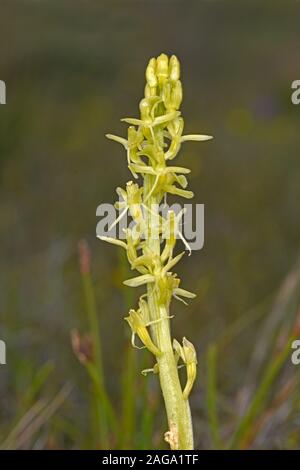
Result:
x=154 y=138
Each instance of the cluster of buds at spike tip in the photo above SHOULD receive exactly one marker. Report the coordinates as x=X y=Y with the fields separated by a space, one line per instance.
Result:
x=154 y=138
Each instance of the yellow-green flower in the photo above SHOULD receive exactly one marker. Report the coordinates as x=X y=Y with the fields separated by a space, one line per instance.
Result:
x=138 y=327
x=187 y=353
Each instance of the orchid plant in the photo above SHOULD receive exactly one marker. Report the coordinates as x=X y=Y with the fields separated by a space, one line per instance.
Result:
x=153 y=140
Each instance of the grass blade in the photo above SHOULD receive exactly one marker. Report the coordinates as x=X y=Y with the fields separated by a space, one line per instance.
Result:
x=212 y=395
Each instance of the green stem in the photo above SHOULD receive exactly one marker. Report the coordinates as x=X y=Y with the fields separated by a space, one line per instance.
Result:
x=177 y=408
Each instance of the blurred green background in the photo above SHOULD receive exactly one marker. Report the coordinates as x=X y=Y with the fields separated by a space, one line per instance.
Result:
x=72 y=70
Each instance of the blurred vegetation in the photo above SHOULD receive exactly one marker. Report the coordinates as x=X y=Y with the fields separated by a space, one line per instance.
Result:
x=72 y=70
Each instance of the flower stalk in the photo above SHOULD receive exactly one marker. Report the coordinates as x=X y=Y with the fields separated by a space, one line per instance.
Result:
x=153 y=139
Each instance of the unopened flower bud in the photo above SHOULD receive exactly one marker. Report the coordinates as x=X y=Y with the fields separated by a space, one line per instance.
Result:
x=150 y=91
x=166 y=95
x=174 y=68
x=162 y=68
x=176 y=95
x=145 y=109
x=150 y=73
